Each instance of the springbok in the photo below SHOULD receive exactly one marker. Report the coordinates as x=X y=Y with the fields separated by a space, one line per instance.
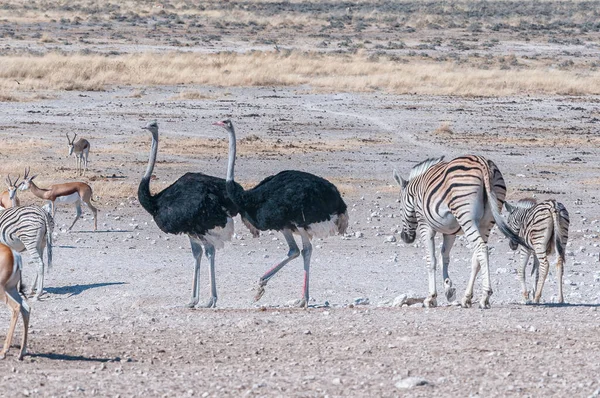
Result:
x=13 y=297
x=68 y=192
x=9 y=198
x=81 y=149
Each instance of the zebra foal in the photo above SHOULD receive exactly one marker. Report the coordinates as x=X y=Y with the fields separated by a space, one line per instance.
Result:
x=29 y=228
x=464 y=195
x=545 y=227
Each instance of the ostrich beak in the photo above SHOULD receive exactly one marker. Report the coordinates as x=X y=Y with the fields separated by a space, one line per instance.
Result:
x=219 y=124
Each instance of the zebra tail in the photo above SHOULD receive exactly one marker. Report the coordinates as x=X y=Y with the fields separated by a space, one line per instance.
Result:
x=49 y=231
x=558 y=233
x=504 y=228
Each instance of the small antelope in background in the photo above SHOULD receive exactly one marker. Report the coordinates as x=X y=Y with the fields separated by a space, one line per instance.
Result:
x=9 y=198
x=11 y=294
x=545 y=227
x=81 y=149
x=68 y=192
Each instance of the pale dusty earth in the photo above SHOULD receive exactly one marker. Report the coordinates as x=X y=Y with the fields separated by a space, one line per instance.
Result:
x=113 y=321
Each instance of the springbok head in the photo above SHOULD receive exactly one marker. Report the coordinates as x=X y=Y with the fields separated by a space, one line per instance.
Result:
x=12 y=186
x=71 y=143
x=26 y=180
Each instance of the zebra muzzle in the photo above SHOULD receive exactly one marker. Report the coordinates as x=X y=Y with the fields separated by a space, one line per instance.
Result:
x=408 y=237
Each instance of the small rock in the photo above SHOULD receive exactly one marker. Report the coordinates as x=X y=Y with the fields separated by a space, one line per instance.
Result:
x=399 y=300
x=358 y=234
x=361 y=301
x=411 y=382
x=390 y=238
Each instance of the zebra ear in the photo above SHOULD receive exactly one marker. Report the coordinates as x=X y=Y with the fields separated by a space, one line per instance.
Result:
x=509 y=207
x=401 y=181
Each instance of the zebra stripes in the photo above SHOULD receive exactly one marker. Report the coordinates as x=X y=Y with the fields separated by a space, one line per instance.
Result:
x=29 y=228
x=545 y=227
x=464 y=195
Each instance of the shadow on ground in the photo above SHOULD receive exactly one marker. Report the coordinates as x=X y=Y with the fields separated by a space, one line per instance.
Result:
x=74 y=290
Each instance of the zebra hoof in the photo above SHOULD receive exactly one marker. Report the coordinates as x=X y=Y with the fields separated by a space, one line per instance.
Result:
x=430 y=302
x=451 y=294
x=466 y=302
x=484 y=304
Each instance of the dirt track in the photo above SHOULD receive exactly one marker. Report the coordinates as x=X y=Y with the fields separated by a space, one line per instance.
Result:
x=113 y=320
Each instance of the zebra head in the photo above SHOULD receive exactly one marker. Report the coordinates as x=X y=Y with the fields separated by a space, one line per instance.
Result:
x=407 y=209
x=516 y=217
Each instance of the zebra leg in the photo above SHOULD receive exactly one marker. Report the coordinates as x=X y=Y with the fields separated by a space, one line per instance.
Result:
x=543 y=272
x=525 y=254
x=466 y=301
x=428 y=237
x=559 y=278
x=483 y=256
x=197 y=253
x=447 y=244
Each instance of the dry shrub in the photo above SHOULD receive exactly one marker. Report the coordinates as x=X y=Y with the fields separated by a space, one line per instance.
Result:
x=444 y=129
x=191 y=95
x=329 y=71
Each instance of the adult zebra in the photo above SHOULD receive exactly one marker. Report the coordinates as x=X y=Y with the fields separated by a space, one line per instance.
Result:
x=29 y=228
x=545 y=227
x=464 y=195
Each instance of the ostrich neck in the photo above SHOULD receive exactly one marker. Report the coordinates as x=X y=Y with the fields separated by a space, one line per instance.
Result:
x=232 y=154
x=152 y=160
x=145 y=197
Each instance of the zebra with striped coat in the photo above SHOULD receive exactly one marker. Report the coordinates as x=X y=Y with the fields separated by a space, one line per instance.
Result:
x=545 y=227
x=464 y=195
x=29 y=228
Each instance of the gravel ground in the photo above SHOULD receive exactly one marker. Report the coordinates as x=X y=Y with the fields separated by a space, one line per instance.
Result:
x=113 y=323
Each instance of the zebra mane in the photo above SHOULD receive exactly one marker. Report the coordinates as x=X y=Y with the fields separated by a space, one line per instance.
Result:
x=422 y=167
x=526 y=203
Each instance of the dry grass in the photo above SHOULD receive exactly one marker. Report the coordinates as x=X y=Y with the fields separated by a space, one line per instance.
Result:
x=335 y=72
x=191 y=95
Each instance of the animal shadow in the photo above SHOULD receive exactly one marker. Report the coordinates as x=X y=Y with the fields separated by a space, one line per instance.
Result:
x=66 y=357
x=74 y=290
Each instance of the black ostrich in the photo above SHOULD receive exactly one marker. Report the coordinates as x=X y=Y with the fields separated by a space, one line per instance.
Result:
x=291 y=202
x=196 y=205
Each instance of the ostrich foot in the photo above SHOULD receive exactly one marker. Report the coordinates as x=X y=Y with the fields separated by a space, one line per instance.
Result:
x=193 y=302
x=430 y=302
x=450 y=293
x=300 y=303
x=260 y=290
x=211 y=303
x=466 y=301
x=2 y=355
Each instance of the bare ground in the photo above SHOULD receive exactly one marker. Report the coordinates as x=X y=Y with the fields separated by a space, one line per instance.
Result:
x=113 y=320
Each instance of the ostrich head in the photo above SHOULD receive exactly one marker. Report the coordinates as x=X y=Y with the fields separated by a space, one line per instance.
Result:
x=226 y=124
x=407 y=208
x=153 y=128
x=26 y=180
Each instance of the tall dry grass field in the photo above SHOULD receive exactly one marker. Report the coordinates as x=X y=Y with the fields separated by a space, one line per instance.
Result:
x=356 y=72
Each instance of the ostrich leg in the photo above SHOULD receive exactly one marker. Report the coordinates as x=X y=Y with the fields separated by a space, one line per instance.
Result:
x=197 y=252
x=292 y=254
x=306 y=253
x=210 y=255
